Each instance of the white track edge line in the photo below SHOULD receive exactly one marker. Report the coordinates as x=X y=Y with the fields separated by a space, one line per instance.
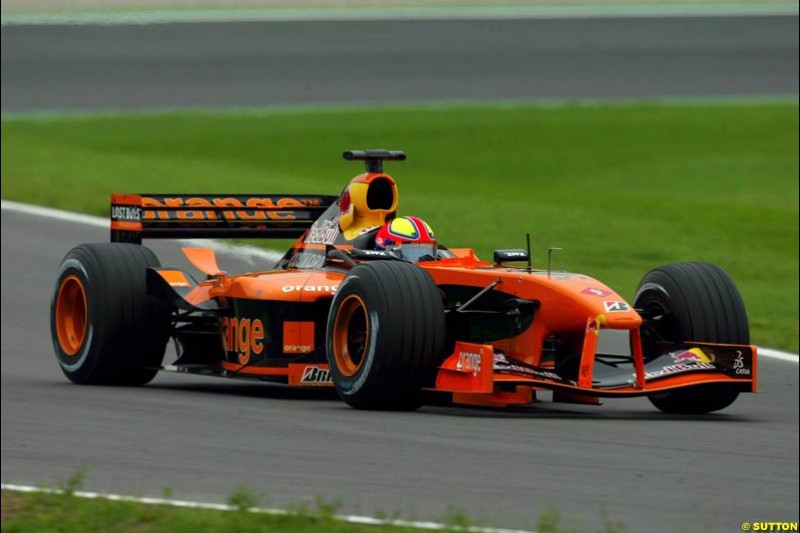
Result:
x=241 y=250
x=54 y=214
x=778 y=354
x=251 y=253
x=431 y=105
x=350 y=519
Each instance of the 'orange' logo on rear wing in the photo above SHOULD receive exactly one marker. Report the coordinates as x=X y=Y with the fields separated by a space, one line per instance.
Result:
x=137 y=216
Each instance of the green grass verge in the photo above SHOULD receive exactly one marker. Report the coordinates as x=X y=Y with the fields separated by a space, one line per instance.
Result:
x=63 y=513
x=621 y=187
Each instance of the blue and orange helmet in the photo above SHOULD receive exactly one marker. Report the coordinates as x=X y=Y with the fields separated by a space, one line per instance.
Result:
x=410 y=238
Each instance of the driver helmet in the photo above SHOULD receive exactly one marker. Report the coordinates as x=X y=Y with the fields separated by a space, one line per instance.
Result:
x=409 y=238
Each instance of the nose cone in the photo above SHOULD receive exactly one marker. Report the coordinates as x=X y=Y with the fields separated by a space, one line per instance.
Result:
x=622 y=319
x=616 y=313
x=583 y=294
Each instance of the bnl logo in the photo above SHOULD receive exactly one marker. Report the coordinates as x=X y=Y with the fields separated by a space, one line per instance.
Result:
x=315 y=374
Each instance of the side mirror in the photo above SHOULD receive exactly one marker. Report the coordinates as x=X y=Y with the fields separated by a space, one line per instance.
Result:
x=504 y=256
x=370 y=254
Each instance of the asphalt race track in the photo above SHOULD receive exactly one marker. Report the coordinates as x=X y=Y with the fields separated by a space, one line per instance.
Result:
x=203 y=437
x=250 y=64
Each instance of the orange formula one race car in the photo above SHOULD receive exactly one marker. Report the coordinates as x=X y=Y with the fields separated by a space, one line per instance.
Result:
x=368 y=302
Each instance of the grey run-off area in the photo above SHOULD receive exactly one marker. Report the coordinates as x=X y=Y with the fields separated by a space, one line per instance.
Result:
x=280 y=63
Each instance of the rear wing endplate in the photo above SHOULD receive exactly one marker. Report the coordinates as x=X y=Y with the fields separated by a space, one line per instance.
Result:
x=167 y=216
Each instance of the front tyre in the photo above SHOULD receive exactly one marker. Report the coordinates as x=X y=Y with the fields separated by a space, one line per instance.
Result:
x=105 y=328
x=692 y=302
x=385 y=335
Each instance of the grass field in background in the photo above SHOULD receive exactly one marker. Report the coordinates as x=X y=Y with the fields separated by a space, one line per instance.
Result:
x=622 y=188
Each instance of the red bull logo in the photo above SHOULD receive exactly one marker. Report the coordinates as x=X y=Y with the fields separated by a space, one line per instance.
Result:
x=686 y=356
x=695 y=355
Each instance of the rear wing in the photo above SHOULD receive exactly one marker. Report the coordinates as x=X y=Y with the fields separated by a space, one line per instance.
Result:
x=170 y=216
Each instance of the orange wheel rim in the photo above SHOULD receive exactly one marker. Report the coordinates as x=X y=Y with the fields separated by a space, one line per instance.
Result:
x=350 y=335
x=71 y=315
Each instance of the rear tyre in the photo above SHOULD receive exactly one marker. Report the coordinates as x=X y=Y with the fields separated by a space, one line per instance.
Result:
x=692 y=302
x=105 y=328
x=385 y=335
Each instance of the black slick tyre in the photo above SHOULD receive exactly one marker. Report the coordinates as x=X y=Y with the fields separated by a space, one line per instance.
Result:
x=385 y=335
x=105 y=328
x=692 y=302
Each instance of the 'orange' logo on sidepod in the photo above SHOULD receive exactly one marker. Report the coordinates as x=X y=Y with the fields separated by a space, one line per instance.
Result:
x=242 y=335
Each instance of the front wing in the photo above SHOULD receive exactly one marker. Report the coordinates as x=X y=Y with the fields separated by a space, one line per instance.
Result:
x=477 y=374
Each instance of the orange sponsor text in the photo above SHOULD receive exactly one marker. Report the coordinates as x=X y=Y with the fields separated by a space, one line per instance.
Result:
x=248 y=209
x=243 y=336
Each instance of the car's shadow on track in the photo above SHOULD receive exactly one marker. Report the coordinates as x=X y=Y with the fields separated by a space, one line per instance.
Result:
x=549 y=411
x=440 y=405
x=252 y=390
